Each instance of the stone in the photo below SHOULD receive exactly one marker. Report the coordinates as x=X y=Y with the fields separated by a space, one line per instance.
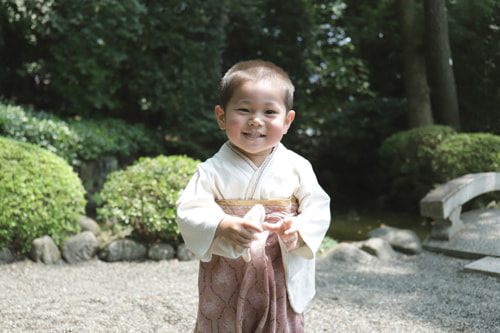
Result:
x=379 y=248
x=79 y=248
x=6 y=256
x=45 y=250
x=88 y=224
x=185 y=254
x=161 y=251
x=401 y=240
x=487 y=265
x=123 y=250
x=347 y=252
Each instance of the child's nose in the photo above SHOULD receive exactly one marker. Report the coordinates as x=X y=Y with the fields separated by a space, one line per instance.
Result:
x=255 y=121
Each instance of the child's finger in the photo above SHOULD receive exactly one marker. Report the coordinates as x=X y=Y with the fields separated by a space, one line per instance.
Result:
x=252 y=227
x=272 y=226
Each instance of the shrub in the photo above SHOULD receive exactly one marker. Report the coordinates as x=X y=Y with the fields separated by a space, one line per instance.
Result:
x=349 y=136
x=405 y=166
x=143 y=196
x=41 y=129
x=39 y=195
x=114 y=136
x=76 y=140
x=466 y=153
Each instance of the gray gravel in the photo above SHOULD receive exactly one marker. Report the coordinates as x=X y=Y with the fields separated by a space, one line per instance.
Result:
x=425 y=293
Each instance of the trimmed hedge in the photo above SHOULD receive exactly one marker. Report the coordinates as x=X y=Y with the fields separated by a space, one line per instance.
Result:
x=42 y=129
x=405 y=167
x=143 y=197
x=40 y=195
x=466 y=153
x=77 y=140
x=414 y=161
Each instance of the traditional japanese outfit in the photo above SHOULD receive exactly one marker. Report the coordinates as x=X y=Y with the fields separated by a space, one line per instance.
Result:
x=231 y=278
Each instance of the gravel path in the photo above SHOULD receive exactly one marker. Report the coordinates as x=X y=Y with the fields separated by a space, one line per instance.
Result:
x=425 y=293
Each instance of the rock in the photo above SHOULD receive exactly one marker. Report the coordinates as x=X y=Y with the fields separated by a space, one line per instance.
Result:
x=6 y=256
x=44 y=250
x=161 y=251
x=405 y=241
x=81 y=247
x=88 y=224
x=347 y=252
x=379 y=248
x=185 y=254
x=123 y=250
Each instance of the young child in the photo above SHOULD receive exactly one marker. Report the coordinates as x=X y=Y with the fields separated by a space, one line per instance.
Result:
x=254 y=277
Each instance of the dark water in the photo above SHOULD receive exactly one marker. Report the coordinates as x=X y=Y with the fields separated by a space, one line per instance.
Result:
x=353 y=219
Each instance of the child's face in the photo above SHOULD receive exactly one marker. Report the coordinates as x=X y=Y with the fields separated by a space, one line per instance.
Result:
x=255 y=119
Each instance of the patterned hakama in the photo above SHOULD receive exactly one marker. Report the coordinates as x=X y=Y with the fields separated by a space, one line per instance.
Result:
x=240 y=296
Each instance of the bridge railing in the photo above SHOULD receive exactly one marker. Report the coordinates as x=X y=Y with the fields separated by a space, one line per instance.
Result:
x=444 y=203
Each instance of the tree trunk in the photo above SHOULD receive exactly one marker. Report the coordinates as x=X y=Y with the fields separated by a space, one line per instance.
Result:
x=442 y=79
x=414 y=68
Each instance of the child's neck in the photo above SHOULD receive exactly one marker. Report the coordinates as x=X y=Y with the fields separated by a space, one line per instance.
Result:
x=256 y=159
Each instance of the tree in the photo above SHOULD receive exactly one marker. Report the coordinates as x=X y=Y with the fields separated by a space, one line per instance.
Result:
x=414 y=67
x=440 y=64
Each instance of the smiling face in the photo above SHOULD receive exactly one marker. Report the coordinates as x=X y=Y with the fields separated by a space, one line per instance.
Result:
x=255 y=118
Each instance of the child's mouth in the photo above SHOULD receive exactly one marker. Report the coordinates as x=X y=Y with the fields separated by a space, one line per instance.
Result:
x=254 y=135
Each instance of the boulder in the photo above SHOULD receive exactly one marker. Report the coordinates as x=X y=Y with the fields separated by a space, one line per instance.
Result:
x=185 y=254
x=378 y=248
x=6 y=256
x=161 y=251
x=401 y=240
x=347 y=252
x=123 y=250
x=88 y=224
x=81 y=247
x=45 y=250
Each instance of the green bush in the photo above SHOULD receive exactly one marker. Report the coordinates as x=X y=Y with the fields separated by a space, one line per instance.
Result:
x=100 y=137
x=405 y=166
x=76 y=140
x=39 y=195
x=466 y=153
x=143 y=196
x=349 y=136
x=41 y=129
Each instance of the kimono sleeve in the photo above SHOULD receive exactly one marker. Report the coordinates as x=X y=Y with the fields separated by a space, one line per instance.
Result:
x=313 y=218
x=198 y=215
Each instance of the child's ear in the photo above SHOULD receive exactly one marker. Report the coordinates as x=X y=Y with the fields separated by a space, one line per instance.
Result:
x=290 y=116
x=221 y=117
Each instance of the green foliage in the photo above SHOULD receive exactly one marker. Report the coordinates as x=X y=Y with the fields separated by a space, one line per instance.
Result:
x=474 y=34
x=39 y=195
x=345 y=140
x=466 y=153
x=155 y=62
x=326 y=244
x=41 y=129
x=100 y=137
x=76 y=140
x=143 y=196
x=405 y=168
x=336 y=72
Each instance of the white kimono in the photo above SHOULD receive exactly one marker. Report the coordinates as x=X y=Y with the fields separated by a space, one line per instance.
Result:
x=283 y=175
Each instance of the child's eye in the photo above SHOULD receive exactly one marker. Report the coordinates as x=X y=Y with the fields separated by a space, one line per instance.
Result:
x=243 y=110
x=271 y=112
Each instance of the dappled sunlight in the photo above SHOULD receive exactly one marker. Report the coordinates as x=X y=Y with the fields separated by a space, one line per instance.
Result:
x=427 y=292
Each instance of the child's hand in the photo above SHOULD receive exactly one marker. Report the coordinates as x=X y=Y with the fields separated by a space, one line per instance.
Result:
x=237 y=230
x=287 y=233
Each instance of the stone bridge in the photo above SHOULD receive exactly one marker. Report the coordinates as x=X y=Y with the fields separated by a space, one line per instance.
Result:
x=474 y=234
